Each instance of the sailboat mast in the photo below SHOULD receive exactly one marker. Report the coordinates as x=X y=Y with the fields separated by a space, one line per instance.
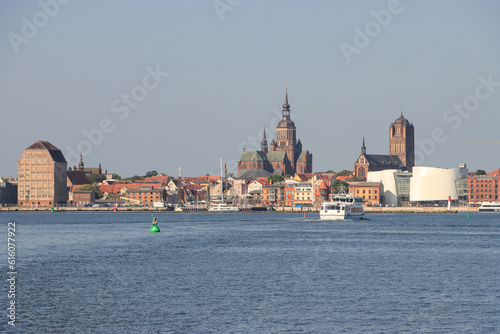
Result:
x=221 y=184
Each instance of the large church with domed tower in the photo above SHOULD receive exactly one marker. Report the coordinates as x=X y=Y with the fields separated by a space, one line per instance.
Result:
x=285 y=155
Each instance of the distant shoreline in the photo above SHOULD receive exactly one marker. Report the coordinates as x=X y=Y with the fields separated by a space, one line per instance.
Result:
x=400 y=209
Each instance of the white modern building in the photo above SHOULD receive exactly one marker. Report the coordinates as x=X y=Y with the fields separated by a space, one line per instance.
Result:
x=424 y=184
x=388 y=180
x=435 y=184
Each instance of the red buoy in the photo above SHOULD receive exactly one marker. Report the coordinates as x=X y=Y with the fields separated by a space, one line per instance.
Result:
x=305 y=214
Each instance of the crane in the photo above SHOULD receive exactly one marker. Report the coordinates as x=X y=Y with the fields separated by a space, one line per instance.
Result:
x=483 y=141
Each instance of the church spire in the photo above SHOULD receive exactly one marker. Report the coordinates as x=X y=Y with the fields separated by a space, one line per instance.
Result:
x=263 y=143
x=363 y=147
x=286 y=106
x=80 y=164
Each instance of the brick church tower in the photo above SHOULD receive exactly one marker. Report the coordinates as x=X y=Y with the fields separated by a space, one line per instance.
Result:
x=402 y=141
x=284 y=156
x=286 y=135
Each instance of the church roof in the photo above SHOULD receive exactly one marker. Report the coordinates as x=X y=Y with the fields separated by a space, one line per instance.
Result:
x=55 y=153
x=302 y=156
x=286 y=123
x=92 y=170
x=384 y=160
x=276 y=156
x=253 y=156
x=253 y=173
x=77 y=177
x=401 y=119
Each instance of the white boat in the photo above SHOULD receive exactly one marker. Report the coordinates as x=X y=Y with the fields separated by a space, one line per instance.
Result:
x=489 y=207
x=222 y=207
x=342 y=206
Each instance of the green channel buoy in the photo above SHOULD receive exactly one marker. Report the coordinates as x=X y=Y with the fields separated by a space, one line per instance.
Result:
x=154 y=228
x=468 y=216
x=52 y=209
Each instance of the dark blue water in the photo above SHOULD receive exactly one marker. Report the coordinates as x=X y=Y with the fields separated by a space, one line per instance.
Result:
x=254 y=273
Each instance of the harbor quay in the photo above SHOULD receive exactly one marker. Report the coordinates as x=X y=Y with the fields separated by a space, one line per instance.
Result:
x=285 y=209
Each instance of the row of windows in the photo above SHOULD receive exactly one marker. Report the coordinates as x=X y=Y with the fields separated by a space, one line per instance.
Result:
x=370 y=197
x=37 y=196
x=484 y=186
x=484 y=191
x=375 y=191
x=81 y=196
x=482 y=182
x=485 y=196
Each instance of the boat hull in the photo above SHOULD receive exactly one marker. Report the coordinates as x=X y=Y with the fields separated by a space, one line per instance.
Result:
x=489 y=207
x=224 y=210
x=489 y=210
x=339 y=216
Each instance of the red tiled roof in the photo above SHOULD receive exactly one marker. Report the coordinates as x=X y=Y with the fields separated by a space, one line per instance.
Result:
x=495 y=172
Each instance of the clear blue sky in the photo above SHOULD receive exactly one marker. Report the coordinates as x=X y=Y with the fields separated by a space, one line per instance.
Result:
x=86 y=66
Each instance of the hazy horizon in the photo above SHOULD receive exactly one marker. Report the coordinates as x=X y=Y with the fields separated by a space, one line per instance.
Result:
x=141 y=86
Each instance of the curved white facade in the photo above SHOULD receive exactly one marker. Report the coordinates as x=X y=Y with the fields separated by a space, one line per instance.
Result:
x=389 y=183
x=434 y=184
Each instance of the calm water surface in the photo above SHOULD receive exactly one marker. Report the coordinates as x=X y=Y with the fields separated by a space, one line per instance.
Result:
x=254 y=273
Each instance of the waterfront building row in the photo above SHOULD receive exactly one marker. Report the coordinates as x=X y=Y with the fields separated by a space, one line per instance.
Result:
x=43 y=180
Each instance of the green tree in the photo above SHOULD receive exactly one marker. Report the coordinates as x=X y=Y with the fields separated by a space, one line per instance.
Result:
x=134 y=178
x=92 y=187
x=96 y=178
x=480 y=172
x=343 y=172
x=151 y=173
x=116 y=177
x=338 y=185
x=274 y=178
x=98 y=193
